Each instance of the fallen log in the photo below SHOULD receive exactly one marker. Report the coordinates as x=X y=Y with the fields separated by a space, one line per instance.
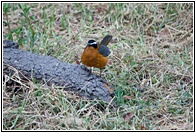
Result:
x=71 y=77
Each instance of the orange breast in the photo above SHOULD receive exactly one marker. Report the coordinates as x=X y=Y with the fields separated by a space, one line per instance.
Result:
x=92 y=58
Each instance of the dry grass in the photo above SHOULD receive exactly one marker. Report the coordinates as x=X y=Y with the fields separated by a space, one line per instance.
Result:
x=151 y=62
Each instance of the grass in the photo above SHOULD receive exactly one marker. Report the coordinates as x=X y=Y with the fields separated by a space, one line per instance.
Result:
x=150 y=67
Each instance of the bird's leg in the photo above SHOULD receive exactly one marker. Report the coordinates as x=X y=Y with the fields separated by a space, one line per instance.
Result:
x=90 y=71
x=87 y=69
x=100 y=72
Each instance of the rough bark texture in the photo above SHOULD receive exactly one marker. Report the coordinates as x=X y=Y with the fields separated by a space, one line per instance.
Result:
x=71 y=77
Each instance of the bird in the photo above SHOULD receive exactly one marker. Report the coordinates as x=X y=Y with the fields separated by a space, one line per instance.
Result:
x=95 y=54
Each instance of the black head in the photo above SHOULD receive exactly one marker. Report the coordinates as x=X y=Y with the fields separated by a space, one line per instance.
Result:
x=92 y=43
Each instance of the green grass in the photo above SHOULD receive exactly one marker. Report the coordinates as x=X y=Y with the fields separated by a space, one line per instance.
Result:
x=151 y=61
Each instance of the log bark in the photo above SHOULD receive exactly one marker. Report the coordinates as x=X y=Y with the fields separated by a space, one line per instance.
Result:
x=71 y=77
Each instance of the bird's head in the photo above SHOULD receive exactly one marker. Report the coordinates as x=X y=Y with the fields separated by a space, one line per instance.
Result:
x=92 y=43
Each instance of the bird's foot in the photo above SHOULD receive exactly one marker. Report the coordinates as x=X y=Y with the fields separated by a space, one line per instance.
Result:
x=87 y=69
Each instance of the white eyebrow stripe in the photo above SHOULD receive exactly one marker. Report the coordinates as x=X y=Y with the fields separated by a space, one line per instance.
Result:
x=92 y=43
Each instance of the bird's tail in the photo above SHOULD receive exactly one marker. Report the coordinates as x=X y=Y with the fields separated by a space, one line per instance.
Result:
x=106 y=40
